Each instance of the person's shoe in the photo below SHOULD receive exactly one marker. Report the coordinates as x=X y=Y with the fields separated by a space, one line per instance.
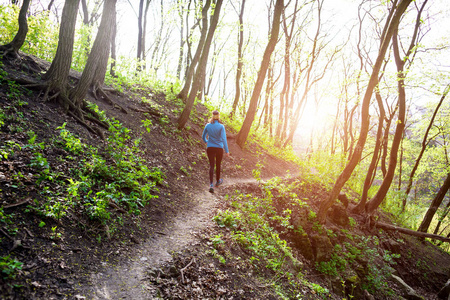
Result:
x=219 y=182
x=211 y=188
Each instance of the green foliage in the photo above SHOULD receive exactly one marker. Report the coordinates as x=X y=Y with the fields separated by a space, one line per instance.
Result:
x=116 y=175
x=8 y=149
x=252 y=221
x=228 y=218
x=70 y=143
x=42 y=36
x=40 y=163
x=346 y=256
x=186 y=171
x=9 y=267
x=2 y=117
x=317 y=288
x=217 y=241
x=82 y=45
x=147 y=124
x=411 y=217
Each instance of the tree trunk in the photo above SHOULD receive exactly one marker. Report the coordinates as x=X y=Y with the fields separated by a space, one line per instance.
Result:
x=250 y=116
x=424 y=145
x=412 y=232
x=180 y=7
x=85 y=12
x=444 y=215
x=434 y=205
x=399 y=131
x=57 y=74
x=13 y=47
x=400 y=164
x=373 y=163
x=387 y=180
x=392 y=25
x=199 y=78
x=268 y=97
x=240 y=62
x=288 y=34
x=95 y=69
x=140 y=48
x=112 y=70
x=154 y=65
x=270 y=112
x=191 y=69
x=385 y=142
x=333 y=133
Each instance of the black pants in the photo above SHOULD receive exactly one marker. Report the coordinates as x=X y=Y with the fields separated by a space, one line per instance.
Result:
x=215 y=156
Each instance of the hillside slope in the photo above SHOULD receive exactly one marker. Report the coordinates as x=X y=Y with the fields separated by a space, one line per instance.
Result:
x=53 y=245
x=129 y=216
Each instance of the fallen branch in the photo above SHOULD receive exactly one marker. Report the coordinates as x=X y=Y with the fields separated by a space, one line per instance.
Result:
x=187 y=266
x=114 y=205
x=18 y=204
x=5 y=234
x=412 y=232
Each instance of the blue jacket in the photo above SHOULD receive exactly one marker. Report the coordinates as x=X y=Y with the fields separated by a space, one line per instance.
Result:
x=217 y=137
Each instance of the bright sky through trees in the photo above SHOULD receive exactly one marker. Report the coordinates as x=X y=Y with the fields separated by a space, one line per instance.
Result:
x=340 y=16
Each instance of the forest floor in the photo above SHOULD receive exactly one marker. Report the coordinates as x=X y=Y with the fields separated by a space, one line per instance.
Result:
x=165 y=252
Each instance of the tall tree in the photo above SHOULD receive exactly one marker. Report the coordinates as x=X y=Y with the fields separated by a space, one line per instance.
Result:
x=112 y=69
x=403 y=64
x=192 y=66
x=199 y=78
x=424 y=144
x=375 y=156
x=251 y=112
x=181 y=8
x=391 y=25
x=142 y=28
x=435 y=205
x=140 y=48
x=94 y=72
x=442 y=218
x=12 y=48
x=57 y=75
x=89 y=19
x=288 y=30
x=239 y=60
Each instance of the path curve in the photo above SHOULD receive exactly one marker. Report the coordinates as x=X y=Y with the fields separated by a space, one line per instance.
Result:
x=127 y=280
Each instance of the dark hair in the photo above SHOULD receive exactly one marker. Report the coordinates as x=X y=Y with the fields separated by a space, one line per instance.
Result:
x=215 y=117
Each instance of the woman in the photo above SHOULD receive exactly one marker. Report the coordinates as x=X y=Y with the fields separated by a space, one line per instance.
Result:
x=215 y=144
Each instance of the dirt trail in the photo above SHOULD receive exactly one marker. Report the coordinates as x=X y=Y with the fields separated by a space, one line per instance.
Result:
x=127 y=280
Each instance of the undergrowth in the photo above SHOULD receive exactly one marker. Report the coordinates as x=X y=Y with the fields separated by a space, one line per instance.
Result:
x=258 y=226
x=261 y=223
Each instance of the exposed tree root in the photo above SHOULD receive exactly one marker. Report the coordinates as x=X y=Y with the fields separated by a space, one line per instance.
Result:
x=99 y=90
x=146 y=111
x=51 y=91
x=97 y=121
x=9 y=52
